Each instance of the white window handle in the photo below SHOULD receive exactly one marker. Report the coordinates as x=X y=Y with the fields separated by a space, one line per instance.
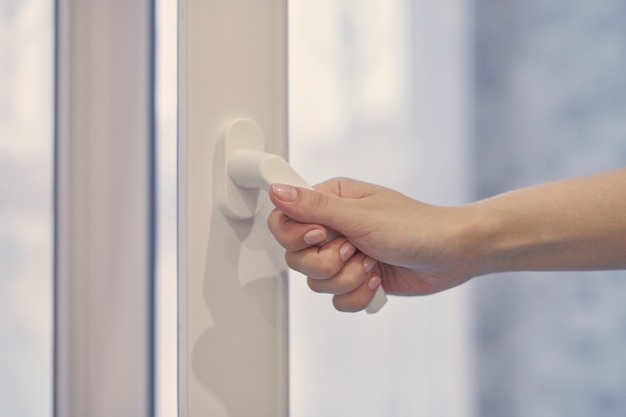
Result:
x=248 y=167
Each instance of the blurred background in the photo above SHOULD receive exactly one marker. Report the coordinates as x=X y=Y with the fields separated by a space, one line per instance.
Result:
x=447 y=102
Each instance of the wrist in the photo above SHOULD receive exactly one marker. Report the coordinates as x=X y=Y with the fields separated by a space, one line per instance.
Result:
x=484 y=247
x=504 y=238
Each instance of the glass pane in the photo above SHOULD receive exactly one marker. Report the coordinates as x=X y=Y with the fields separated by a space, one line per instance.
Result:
x=26 y=138
x=378 y=93
x=550 y=100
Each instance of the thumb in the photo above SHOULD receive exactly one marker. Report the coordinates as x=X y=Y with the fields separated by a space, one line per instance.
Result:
x=310 y=206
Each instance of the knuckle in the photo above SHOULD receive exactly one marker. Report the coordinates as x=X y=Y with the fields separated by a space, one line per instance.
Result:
x=310 y=264
x=274 y=225
x=346 y=304
x=283 y=241
x=351 y=302
x=327 y=270
x=272 y=219
x=346 y=282
x=293 y=261
x=315 y=285
x=318 y=201
x=352 y=281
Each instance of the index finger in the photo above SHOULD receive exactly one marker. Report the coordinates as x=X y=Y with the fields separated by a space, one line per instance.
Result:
x=293 y=235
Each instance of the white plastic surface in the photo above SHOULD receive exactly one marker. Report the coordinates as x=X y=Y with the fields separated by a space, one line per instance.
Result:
x=236 y=202
x=249 y=169
x=233 y=354
x=103 y=277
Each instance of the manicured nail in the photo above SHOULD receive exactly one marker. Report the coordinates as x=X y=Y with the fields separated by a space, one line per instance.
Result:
x=368 y=264
x=374 y=282
x=285 y=193
x=346 y=251
x=313 y=237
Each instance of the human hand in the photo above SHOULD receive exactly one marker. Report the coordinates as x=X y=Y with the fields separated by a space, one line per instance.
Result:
x=388 y=239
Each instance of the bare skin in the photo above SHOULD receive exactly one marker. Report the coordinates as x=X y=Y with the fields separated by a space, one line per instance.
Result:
x=412 y=248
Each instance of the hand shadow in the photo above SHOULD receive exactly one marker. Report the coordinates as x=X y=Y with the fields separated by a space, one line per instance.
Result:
x=241 y=358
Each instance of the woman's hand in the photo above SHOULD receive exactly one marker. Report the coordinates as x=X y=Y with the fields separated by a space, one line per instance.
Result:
x=414 y=248
x=386 y=238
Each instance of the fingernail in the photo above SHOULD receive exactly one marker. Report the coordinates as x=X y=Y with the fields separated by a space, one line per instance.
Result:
x=313 y=237
x=346 y=251
x=368 y=264
x=374 y=282
x=285 y=193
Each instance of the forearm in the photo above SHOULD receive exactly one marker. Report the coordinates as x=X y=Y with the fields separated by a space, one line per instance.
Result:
x=575 y=224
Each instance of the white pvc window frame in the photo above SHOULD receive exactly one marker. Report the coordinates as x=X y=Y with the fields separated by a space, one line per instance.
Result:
x=104 y=209
x=105 y=200
x=233 y=341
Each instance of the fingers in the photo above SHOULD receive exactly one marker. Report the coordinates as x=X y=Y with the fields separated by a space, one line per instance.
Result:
x=346 y=278
x=335 y=267
x=301 y=214
x=333 y=264
x=359 y=298
x=308 y=206
x=347 y=188
x=352 y=281
x=321 y=262
x=295 y=236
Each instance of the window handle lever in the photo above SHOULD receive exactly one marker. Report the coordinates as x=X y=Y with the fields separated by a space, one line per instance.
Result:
x=250 y=169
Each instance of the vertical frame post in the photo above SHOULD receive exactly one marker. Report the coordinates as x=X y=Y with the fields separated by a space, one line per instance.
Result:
x=232 y=280
x=104 y=235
